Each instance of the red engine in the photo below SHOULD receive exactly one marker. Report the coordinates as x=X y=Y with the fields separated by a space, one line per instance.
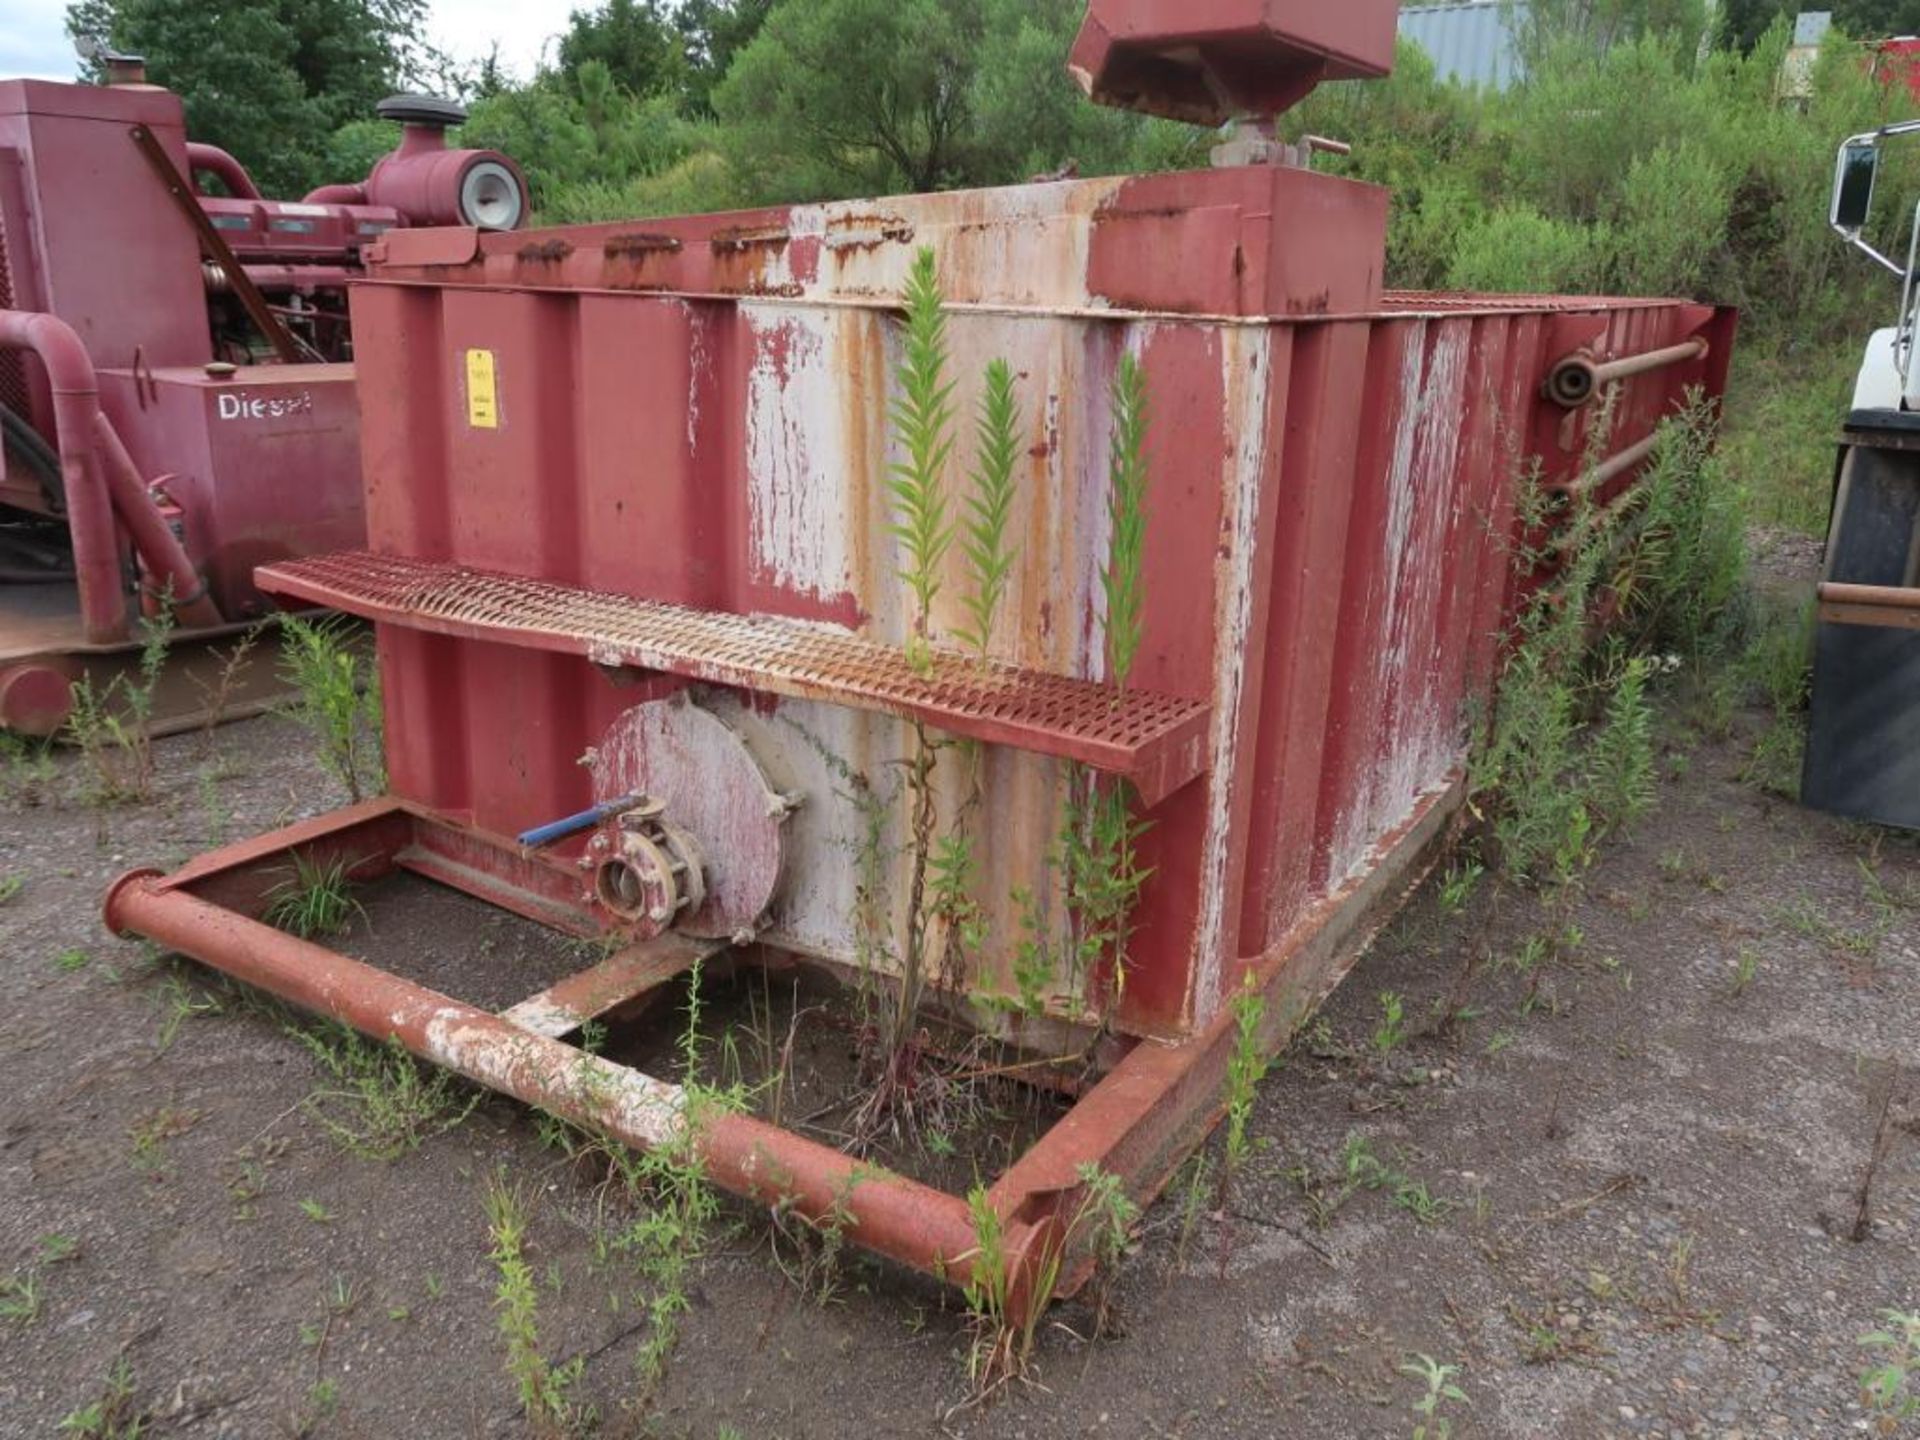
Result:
x=303 y=252
x=172 y=402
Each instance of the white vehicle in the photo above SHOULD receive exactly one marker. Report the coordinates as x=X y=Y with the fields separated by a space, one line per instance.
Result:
x=1888 y=379
x=1862 y=757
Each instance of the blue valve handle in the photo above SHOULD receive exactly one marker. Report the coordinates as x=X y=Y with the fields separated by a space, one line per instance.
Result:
x=574 y=824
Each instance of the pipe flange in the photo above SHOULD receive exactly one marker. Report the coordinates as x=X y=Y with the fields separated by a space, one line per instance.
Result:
x=649 y=871
x=1573 y=381
x=719 y=772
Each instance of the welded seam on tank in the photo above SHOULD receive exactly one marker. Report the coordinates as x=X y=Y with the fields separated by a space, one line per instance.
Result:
x=1247 y=366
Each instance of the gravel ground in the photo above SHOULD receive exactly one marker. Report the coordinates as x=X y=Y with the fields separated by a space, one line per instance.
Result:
x=1618 y=1196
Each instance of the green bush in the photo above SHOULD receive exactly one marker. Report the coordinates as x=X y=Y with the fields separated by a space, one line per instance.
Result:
x=1518 y=250
x=1672 y=221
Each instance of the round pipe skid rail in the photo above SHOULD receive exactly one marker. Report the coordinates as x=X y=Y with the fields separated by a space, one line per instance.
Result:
x=1137 y=1122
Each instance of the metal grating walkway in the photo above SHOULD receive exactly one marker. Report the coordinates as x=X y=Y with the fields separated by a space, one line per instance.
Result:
x=1156 y=741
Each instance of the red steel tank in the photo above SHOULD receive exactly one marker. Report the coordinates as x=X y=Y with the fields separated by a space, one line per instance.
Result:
x=651 y=672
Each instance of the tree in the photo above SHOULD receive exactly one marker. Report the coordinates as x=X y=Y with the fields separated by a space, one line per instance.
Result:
x=712 y=32
x=633 y=39
x=1029 y=116
x=870 y=94
x=1744 y=21
x=269 y=80
x=1541 y=26
x=849 y=97
x=1877 y=19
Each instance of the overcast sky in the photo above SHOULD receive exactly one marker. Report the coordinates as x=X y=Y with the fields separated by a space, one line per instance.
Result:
x=33 y=42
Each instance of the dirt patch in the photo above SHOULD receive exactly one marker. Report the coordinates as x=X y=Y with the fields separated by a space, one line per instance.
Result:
x=1637 y=1159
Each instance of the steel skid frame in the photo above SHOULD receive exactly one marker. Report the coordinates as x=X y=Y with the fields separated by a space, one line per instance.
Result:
x=1139 y=1121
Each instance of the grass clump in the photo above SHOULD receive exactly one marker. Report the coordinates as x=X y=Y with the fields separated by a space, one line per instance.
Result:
x=1247 y=1066
x=1777 y=671
x=1006 y=1308
x=317 y=899
x=27 y=768
x=20 y=1298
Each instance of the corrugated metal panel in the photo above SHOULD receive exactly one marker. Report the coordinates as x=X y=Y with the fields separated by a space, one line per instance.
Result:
x=1812 y=26
x=1469 y=42
x=1327 y=555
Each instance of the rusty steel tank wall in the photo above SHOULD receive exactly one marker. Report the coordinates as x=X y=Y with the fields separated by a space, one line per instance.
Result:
x=695 y=411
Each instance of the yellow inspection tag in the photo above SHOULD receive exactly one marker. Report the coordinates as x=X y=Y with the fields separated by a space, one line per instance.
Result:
x=483 y=404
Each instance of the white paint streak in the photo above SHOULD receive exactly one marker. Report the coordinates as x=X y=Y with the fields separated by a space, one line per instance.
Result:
x=1013 y=245
x=1246 y=362
x=632 y=1104
x=1418 y=741
x=824 y=746
x=1422 y=736
x=799 y=531
x=699 y=375
x=544 y=1017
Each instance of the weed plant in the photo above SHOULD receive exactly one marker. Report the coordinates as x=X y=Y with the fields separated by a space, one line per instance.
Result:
x=545 y=1388
x=1005 y=1307
x=1247 y=1065
x=113 y=1415
x=338 y=702
x=112 y=725
x=1569 y=756
x=379 y=1102
x=1888 y=1385
x=922 y=415
x=984 y=539
x=1440 y=1390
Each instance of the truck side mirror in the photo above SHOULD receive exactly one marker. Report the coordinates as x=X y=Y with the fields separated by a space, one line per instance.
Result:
x=1853 y=180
